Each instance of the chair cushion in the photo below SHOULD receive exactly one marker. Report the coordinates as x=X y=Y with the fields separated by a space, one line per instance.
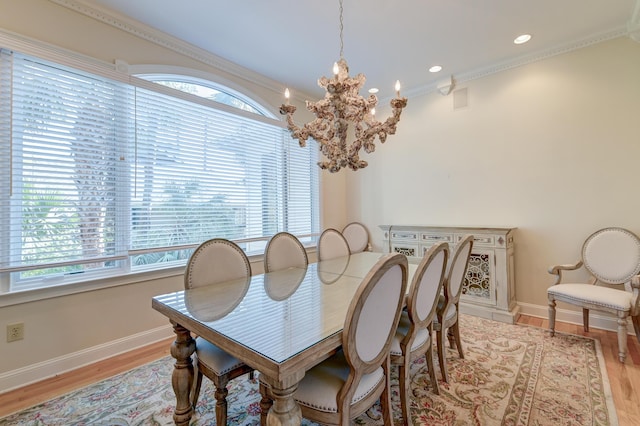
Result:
x=451 y=311
x=593 y=295
x=320 y=386
x=215 y=358
x=422 y=335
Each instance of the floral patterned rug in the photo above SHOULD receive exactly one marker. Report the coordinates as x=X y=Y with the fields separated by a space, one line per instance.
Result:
x=511 y=375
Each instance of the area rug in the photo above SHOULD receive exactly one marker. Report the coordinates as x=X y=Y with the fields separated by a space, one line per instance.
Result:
x=511 y=375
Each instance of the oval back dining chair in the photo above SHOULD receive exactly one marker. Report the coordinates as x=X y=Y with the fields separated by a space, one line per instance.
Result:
x=612 y=257
x=413 y=336
x=216 y=261
x=332 y=244
x=448 y=311
x=350 y=382
x=284 y=251
x=357 y=236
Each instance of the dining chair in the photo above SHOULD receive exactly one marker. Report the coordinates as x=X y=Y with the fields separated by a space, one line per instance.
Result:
x=284 y=251
x=351 y=381
x=357 y=236
x=332 y=244
x=413 y=337
x=611 y=256
x=213 y=262
x=446 y=323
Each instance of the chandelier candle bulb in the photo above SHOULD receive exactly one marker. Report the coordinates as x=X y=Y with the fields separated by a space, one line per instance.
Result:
x=398 y=88
x=336 y=70
x=287 y=95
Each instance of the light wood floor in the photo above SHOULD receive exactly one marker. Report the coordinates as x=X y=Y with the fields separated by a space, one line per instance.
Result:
x=624 y=378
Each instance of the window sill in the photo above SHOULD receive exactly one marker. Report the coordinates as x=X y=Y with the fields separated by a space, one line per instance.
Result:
x=26 y=296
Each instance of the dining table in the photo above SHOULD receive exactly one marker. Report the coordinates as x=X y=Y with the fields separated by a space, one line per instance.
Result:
x=280 y=323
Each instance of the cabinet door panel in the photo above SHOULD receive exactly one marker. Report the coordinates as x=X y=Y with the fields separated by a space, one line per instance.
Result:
x=479 y=283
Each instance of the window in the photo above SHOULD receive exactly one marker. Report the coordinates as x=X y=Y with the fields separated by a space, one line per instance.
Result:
x=207 y=90
x=100 y=178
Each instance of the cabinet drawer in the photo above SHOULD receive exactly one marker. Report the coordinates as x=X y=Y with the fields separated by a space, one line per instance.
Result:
x=436 y=238
x=404 y=235
x=480 y=240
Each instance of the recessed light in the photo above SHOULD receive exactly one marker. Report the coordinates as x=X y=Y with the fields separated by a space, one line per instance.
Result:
x=373 y=90
x=522 y=39
x=435 y=68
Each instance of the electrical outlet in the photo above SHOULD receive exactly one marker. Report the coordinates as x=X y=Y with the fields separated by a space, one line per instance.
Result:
x=15 y=332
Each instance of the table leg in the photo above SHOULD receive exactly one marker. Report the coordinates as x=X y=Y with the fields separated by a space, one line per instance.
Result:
x=285 y=411
x=182 y=377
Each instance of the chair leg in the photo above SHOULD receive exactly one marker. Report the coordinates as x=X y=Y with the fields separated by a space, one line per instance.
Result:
x=442 y=359
x=552 y=316
x=622 y=336
x=221 y=401
x=452 y=342
x=385 y=398
x=636 y=325
x=585 y=319
x=456 y=335
x=265 y=404
x=405 y=389
x=197 y=384
x=432 y=371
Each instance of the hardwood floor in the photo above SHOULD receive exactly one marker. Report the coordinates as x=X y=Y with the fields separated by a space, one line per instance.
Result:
x=33 y=394
x=624 y=378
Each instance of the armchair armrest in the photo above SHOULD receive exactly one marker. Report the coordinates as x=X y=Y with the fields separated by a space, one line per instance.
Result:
x=635 y=305
x=557 y=270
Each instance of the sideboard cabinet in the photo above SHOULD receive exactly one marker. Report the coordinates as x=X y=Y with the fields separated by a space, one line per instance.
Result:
x=488 y=290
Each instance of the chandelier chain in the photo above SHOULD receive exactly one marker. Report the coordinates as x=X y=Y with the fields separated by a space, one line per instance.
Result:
x=341 y=32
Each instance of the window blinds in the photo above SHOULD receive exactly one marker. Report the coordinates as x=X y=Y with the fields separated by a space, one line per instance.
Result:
x=95 y=170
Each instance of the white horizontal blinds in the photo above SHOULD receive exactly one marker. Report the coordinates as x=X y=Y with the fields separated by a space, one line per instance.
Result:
x=65 y=158
x=202 y=173
x=5 y=151
x=302 y=188
x=96 y=173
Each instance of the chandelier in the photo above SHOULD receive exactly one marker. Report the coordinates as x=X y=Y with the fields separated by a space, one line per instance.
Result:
x=343 y=105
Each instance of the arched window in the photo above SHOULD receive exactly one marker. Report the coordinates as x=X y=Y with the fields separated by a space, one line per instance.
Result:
x=208 y=90
x=103 y=177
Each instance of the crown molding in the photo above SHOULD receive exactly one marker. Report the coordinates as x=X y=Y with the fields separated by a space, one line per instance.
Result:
x=138 y=29
x=160 y=38
x=529 y=58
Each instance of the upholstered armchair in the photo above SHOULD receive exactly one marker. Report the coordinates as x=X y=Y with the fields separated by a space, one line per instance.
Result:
x=612 y=258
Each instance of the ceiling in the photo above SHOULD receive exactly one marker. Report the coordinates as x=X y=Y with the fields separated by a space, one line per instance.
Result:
x=295 y=42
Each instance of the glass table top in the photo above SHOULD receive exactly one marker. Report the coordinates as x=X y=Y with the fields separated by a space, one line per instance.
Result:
x=280 y=313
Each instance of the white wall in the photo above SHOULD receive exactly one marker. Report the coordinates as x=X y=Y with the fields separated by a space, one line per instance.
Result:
x=551 y=148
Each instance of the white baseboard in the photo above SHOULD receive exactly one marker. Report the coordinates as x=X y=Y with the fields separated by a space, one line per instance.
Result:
x=53 y=367
x=596 y=319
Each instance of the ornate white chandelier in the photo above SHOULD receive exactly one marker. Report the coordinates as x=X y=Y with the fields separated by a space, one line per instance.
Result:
x=342 y=104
